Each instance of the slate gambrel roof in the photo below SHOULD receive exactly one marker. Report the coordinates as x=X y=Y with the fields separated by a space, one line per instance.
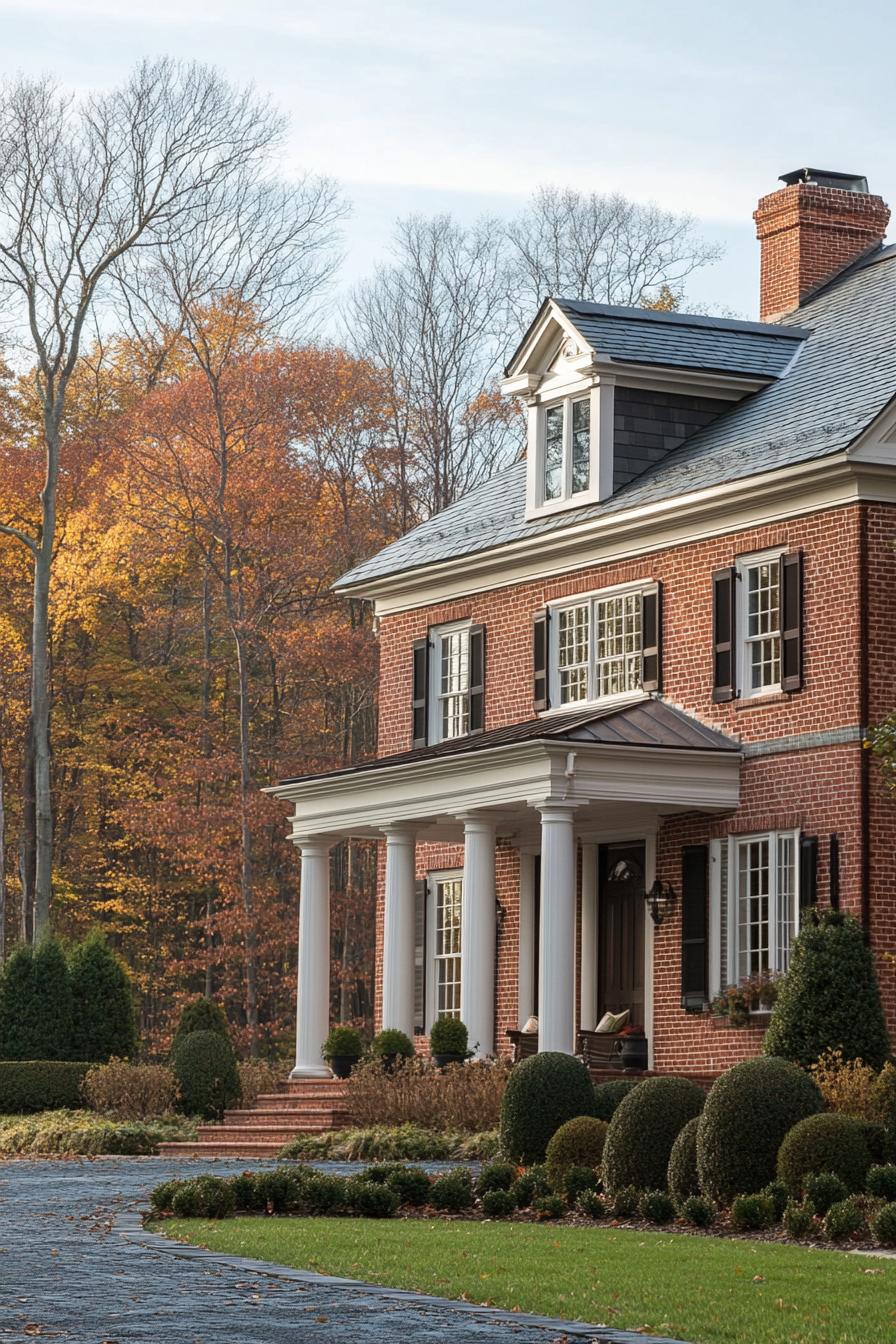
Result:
x=842 y=378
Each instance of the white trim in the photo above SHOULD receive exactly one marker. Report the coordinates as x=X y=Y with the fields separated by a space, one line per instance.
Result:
x=429 y=976
x=589 y=599
x=599 y=394
x=436 y=634
x=743 y=564
x=589 y=935
x=714 y=923
x=768 y=498
x=733 y=976
x=526 y=939
x=649 y=947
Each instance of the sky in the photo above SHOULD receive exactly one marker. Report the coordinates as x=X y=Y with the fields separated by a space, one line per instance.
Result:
x=466 y=107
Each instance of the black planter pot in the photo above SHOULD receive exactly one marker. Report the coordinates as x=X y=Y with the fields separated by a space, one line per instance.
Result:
x=449 y=1057
x=633 y=1054
x=341 y=1065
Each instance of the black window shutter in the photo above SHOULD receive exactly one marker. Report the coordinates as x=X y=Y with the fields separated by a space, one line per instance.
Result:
x=808 y=873
x=477 y=679
x=694 y=917
x=420 y=892
x=792 y=621
x=834 y=870
x=419 y=696
x=723 y=635
x=652 y=640
x=540 y=661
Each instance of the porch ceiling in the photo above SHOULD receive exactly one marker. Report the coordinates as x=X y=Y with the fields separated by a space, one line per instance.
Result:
x=631 y=761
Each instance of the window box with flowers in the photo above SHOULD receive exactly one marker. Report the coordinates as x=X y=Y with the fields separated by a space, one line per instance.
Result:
x=748 y=1003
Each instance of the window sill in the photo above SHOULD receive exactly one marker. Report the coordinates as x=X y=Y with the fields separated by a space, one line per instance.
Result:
x=761 y=1020
x=760 y=701
x=574 y=706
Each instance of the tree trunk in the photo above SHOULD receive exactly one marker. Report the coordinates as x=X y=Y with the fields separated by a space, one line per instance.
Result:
x=27 y=837
x=246 y=891
x=2 y=865
x=40 y=689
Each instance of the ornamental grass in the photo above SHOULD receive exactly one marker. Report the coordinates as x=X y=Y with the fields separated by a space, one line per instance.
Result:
x=463 y=1097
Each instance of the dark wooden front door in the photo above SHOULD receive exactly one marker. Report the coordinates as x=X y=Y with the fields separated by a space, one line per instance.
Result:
x=620 y=932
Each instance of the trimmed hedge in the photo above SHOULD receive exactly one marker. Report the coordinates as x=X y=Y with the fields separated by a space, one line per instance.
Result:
x=40 y=1085
x=200 y=1014
x=104 y=1020
x=747 y=1114
x=826 y=1142
x=681 y=1174
x=577 y=1143
x=205 y=1066
x=607 y=1096
x=830 y=997
x=641 y=1134
x=542 y=1093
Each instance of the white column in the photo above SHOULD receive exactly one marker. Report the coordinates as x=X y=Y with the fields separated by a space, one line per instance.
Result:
x=526 y=982
x=477 y=935
x=588 y=980
x=313 y=998
x=557 y=952
x=398 y=930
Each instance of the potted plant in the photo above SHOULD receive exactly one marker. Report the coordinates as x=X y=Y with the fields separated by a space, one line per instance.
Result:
x=633 y=1054
x=392 y=1045
x=448 y=1041
x=342 y=1049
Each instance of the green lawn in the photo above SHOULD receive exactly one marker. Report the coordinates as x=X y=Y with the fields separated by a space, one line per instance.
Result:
x=700 y=1289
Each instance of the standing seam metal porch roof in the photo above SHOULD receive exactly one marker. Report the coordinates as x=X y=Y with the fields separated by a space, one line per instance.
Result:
x=843 y=377
x=644 y=723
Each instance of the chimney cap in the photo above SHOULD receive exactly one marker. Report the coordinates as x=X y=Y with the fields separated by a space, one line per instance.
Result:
x=823 y=177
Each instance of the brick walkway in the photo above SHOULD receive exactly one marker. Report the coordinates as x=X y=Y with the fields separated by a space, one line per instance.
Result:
x=75 y=1266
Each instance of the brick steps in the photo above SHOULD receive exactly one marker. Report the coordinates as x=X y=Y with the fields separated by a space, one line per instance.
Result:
x=302 y=1106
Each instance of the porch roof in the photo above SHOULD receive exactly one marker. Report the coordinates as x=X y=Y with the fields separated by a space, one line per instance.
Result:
x=645 y=722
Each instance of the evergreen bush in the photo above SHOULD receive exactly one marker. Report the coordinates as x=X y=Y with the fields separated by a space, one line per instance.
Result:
x=751 y=1213
x=681 y=1173
x=448 y=1036
x=452 y=1192
x=656 y=1207
x=103 y=1022
x=778 y=1193
x=496 y=1176
x=881 y=1182
x=829 y=998
x=607 y=1096
x=825 y=1142
x=542 y=1093
x=411 y=1185
x=36 y=1004
x=322 y=1194
x=530 y=1185
x=40 y=1085
x=823 y=1189
x=747 y=1114
x=645 y=1126
x=592 y=1204
x=498 y=1203
x=343 y=1042
x=392 y=1044
x=798 y=1220
x=203 y=1197
x=576 y=1180
x=698 y=1211
x=205 y=1066
x=883 y=1225
x=844 y=1219
x=625 y=1202
x=201 y=1014
x=549 y=1207
x=577 y=1143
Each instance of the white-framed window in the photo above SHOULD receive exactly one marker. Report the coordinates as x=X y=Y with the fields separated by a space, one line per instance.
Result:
x=597 y=644
x=756 y=905
x=759 y=623
x=446 y=893
x=449 y=692
x=566 y=448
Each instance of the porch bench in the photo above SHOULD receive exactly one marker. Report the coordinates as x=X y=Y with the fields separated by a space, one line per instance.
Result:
x=600 y=1049
x=523 y=1043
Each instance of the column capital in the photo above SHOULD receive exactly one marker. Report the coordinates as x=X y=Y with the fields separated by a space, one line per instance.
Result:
x=400 y=832
x=557 y=810
x=478 y=821
x=315 y=844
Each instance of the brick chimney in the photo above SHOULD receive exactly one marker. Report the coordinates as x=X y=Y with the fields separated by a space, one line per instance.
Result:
x=810 y=229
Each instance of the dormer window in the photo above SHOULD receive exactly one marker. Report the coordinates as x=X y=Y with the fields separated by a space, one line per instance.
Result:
x=567 y=448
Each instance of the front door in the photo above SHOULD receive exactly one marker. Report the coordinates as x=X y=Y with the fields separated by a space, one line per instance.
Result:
x=620 y=932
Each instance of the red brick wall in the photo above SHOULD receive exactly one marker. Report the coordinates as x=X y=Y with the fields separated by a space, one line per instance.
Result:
x=818 y=791
x=808 y=235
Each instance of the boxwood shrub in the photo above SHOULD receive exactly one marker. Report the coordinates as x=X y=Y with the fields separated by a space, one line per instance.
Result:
x=576 y=1180
x=530 y=1184
x=40 y=1085
x=498 y=1203
x=452 y=1192
x=656 y=1207
x=798 y=1220
x=542 y=1093
x=203 y=1197
x=844 y=1219
x=496 y=1176
x=370 y=1199
x=578 y=1143
x=751 y=1213
x=698 y=1211
x=206 y=1071
x=411 y=1185
x=883 y=1225
x=748 y=1112
x=681 y=1174
x=881 y=1182
x=607 y=1096
x=826 y=1142
x=645 y=1126
x=823 y=1189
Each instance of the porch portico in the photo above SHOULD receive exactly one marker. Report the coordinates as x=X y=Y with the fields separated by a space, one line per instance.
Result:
x=548 y=787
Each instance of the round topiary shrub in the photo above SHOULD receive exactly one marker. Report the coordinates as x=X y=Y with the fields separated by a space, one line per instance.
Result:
x=798 y=1220
x=881 y=1182
x=452 y=1192
x=391 y=1045
x=160 y=1198
x=411 y=1185
x=498 y=1203
x=322 y=1194
x=829 y=998
x=496 y=1176
x=542 y=1093
x=681 y=1174
x=750 y=1213
x=645 y=1126
x=656 y=1207
x=747 y=1114
x=779 y=1195
x=826 y=1142
x=822 y=1190
x=698 y=1211
x=549 y=1206
x=844 y=1219
x=883 y=1225
x=624 y=1202
x=578 y=1143
x=205 y=1066
x=200 y=1014
x=448 y=1036
x=370 y=1199
x=592 y=1205
x=203 y=1197
x=576 y=1180
x=530 y=1185
x=607 y=1096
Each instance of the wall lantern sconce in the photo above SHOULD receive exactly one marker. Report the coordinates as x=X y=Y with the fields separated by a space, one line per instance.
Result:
x=500 y=914
x=660 y=900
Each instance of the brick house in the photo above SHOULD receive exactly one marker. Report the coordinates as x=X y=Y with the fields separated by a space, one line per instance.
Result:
x=624 y=684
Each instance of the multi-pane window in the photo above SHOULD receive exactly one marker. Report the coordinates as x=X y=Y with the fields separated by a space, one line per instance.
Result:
x=598 y=647
x=761 y=625
x=566 y=464
x=762 y=910
x=448 y=898
x=452 y=681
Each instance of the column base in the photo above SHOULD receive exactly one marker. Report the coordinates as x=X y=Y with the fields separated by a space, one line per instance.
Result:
x=311 y=1071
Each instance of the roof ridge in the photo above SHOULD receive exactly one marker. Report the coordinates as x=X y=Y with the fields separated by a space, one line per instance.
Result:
x=702 y=320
